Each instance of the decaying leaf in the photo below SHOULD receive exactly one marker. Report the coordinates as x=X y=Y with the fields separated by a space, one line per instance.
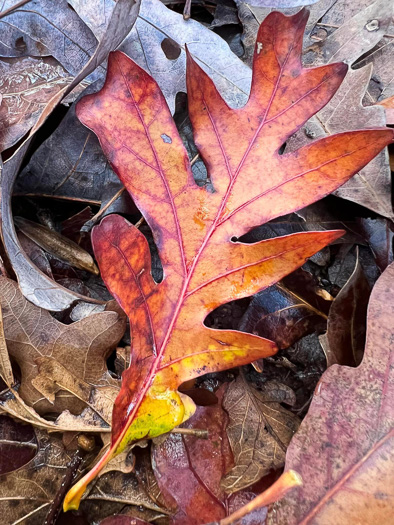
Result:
x=344 y=447
x=70 y=164
x=289 y=310
x=193 y=229
x=57 y=245
x=44 y=28
x=37 y=341
x=26 y=494
x=347 y=321
x=18 y=444
x=188 y=469
x=26 y=86
x=259 y=430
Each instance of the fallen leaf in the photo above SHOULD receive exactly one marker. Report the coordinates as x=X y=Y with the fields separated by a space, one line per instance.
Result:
x=344 y=447
x=155 y=26
x=26 y=85
x=70 y=164
x=346 y=325
x=26 y=494
x=193 y=228
x=57 y=245
x=379 y=234
x=259 y=430
x=289 y=310
x=359 y=32
x=188 y=469
x=371 y=187
x=18 y=444
x=32 y=334
x=43 y=28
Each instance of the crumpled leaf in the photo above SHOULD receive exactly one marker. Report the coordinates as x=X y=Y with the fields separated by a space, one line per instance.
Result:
x=289 y=310
x=346 y=325
x=37 y=341
x=157 y=24
x=344 y=447
x=194 y=228
x=26 y=86
x=259 y=430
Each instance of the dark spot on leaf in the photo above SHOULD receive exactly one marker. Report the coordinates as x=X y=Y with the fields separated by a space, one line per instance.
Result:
x=170 y=48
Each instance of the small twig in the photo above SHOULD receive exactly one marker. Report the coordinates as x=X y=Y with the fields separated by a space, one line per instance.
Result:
x=194 y=159
x=10 y=9
x=186 y=9
x=139 y=223
x=197 y=432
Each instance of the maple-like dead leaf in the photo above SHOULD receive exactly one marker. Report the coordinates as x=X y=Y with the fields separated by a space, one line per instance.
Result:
x=52 y=355
x=194 y=229
x=344 y=447
x=259 y=430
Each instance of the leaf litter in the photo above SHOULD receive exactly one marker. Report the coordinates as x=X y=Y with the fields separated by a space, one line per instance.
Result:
x=64 y=408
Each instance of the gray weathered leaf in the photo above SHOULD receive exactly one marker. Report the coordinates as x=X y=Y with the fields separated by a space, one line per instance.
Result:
x=157 y=24
x=70 y=164
x=371 y=187
x=35 y=285
x=44 y=27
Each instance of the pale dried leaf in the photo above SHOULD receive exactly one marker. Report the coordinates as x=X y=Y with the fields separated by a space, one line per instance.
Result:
x=259 y=431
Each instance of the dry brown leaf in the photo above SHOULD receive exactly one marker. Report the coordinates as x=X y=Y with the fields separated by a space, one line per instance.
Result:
x=259 y=431
x=26 y=494
x=58 y=245
x=81 y=348
x=346 y=324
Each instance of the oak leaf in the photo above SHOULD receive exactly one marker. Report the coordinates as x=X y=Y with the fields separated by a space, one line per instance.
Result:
x=204 y=267
x=55 y=358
